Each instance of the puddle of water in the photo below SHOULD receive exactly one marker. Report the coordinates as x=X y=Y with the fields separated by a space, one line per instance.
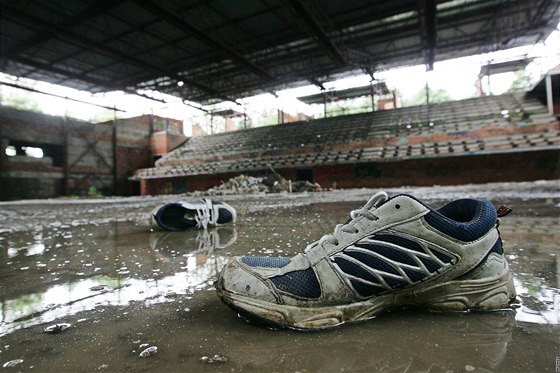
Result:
x=79 y=269
x=123 y=289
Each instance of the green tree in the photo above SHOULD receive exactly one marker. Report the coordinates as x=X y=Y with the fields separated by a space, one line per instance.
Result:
x=353 y=105
x=102 y=116
x=18 y=99
x=521 y=83
x=419 y=98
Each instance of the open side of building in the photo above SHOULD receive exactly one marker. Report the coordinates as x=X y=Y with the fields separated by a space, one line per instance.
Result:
x=511 y=137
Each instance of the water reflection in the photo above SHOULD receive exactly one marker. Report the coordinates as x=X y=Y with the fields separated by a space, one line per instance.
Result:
x=207 y=241
x=64 y=279
x=538 y=302
x=531 y=247
x=405 y=341
x=138 y=286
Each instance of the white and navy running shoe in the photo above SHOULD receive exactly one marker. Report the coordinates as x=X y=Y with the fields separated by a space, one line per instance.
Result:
x=392 y=253
x=200 y=213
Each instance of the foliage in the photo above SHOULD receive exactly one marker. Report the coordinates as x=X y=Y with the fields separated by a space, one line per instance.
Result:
x=265 y=117
x=93 y=192
x=18 y=99
x=419 y=98
x=350 y=106
x=101 y=116
x=521 y=83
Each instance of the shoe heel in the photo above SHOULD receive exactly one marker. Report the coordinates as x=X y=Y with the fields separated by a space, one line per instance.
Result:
x=475 y=295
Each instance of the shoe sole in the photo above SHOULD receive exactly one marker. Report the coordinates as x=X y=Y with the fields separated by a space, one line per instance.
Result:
x=487 y=294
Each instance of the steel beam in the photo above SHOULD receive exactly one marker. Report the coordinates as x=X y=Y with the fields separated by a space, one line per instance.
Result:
x=315 y=30
x=427 y=19
x=88 y=44
x=2 y=161
x=100 y=8
x=188 y=28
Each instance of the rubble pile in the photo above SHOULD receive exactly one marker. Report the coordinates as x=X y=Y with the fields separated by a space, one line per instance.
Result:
x=273 y=183
x=241 y=184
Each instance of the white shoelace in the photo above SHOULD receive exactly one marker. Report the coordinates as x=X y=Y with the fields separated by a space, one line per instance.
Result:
x=365 y=211
x=207 y=241
x=205 y=216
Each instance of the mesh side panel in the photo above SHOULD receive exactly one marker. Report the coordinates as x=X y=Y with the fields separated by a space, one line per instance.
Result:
x=399 y=241
x=224 y=216
x=465 y=220
x=355 y=270
x=414 y=276
x=365 y=290
x=372 y=262
x=430 y=265
x=389 y=252
x=301 y=283
x=266 y=262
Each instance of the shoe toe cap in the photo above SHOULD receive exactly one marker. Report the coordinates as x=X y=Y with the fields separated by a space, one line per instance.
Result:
x=236 y=278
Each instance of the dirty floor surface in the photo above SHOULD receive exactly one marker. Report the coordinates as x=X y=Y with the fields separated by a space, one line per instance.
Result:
x=88 y=286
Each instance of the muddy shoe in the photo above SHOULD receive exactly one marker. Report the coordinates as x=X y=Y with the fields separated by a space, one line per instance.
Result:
x=200 y=213
x=392 y=253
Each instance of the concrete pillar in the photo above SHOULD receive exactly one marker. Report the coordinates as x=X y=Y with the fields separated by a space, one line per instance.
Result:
x=66 y=165
x=3 y=145
x=115 y=156
x=549 y=94
x=144 y=189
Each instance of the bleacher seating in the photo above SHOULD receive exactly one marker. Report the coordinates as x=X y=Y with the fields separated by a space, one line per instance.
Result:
x=509 y=122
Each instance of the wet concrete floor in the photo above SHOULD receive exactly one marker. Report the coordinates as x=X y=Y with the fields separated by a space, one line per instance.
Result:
x=110 y=287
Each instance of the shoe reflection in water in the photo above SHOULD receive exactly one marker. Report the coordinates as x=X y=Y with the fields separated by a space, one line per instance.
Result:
x=193 y=242
x=428 y=342
x=179 y=263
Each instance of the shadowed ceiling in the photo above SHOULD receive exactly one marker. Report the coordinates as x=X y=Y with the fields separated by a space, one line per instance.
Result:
x=221 y=50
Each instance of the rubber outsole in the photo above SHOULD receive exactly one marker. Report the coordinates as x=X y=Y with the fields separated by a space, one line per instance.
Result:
x=454 y=296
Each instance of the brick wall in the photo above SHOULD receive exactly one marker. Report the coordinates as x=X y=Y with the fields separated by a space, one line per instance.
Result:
x=78 y=155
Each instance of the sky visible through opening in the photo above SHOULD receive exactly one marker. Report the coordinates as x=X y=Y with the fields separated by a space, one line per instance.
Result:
x=457 y=77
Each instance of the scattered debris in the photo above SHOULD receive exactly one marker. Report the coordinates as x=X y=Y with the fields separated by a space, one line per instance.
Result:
x=272 y=183
x=215 y=359
x=12 y=363
x=57 y=328
x=241 y=184
x=150 y=351
x=305 y=186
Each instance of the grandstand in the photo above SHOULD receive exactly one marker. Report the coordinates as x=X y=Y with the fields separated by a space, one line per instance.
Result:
x=494 y=138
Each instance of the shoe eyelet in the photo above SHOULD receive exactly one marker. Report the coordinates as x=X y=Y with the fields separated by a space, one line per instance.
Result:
x=397 y=206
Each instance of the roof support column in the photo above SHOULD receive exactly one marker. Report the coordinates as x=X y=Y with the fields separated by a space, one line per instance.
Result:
x=549 y=94
x=115 y=153
x=66 y=166
x=427 y=14
x=3 y=145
